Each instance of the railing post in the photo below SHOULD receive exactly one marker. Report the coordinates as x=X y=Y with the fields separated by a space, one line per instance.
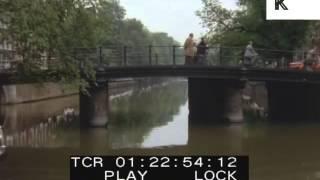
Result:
x=220 y=55
x=156 y=56
x=100 y=55
x=125 y=55
x=174 y=54
x=150 y=54
x=74 y=52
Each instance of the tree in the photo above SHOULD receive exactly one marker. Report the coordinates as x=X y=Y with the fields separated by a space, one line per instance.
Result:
x=248 y=22
x=67 y=31
x=137 y=38
x=49 y=29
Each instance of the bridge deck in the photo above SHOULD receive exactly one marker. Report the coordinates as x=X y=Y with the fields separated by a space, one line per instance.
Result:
x=215 y=72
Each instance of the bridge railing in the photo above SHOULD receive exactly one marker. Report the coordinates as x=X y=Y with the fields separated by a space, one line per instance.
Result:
x=140 y=55
x=115 y=56
x=10 y=59
x=158 y=55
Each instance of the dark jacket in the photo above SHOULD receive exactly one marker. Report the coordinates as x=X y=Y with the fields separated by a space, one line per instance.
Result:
x=202 y=48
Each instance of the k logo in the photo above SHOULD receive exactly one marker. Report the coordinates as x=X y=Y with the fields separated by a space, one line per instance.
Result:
x=292 y=9
x=280 y=3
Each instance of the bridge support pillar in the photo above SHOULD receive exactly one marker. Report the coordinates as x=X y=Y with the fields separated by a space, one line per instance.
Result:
x=293 y=101
x=213 y=100
x=94 y=106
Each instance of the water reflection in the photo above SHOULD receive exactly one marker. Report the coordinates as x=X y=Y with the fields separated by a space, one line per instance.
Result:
x=2 y=142
x=155 y=122
x=40 y=135
x=136 y=120
x=174 y=133
x=38 y=124
x=21 y=116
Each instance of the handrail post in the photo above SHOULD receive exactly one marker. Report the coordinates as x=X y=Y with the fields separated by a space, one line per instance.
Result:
x=156 y=57
x=125 y=55
x=150 y=54
x=74 y=52
x=174 y=54
x=100 y=55
x=220 y=55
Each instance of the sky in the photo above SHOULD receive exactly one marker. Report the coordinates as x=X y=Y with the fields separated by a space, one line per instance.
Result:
x=175 y=17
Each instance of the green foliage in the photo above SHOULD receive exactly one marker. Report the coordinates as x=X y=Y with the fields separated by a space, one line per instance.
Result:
x=248 y=22
x=137 y=38
x=41 y=29
x=50 y=31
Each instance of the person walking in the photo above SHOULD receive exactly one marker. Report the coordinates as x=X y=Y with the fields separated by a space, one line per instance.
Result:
x=202 y=52
x=189 y=49
x=249 y=54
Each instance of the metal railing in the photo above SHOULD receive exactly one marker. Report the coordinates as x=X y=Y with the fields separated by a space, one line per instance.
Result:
x=9 y=61
x=155 y=55
x=115 y=56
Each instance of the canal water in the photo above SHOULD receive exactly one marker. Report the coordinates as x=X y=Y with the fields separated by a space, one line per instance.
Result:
x=149 y=121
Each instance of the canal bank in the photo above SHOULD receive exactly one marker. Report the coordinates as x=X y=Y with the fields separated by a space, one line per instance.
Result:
x=33 y=92
x=25 y=93
x=17 y=118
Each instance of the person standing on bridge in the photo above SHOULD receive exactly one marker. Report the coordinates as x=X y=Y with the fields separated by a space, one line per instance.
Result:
x=249 y=54
x=189 y=46
x=202 y=52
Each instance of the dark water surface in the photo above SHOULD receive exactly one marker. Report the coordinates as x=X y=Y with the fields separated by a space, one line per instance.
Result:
x=150 y=121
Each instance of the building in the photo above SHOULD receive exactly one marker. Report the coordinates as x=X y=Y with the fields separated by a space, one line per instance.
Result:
x=7 y=53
